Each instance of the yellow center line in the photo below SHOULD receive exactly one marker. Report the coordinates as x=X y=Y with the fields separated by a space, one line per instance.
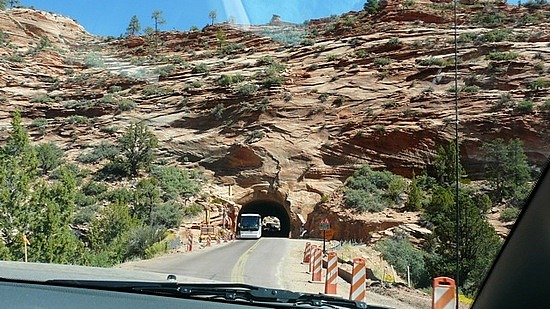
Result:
x=237 y=274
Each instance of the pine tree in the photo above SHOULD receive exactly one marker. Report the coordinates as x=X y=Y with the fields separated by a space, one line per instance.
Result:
x=146 y=197
x=159 y=20
x=134 y=26
x=213 y=15
x=445 y=165
x=479 y=242
x=18 y=170
x=372 y=7
x=51 y=236
x=137 y=147
x=507 y=169
x=14 y=3
x=114 y=220
x=414 y=202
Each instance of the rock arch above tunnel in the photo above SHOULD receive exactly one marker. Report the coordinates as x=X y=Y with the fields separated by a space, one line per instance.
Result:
x=267 y=208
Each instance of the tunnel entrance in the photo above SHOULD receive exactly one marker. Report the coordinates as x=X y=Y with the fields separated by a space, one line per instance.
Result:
x=272 y=212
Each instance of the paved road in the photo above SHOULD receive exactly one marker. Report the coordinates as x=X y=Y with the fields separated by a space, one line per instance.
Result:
x=256 y=262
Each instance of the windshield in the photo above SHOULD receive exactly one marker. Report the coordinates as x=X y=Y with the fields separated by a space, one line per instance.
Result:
x=250 y=223
x=403 y=136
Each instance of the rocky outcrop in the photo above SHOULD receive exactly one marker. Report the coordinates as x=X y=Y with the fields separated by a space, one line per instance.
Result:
x=23 y=27
x=347 y=224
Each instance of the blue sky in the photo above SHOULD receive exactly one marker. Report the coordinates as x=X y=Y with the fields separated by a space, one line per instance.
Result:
x=111 y=17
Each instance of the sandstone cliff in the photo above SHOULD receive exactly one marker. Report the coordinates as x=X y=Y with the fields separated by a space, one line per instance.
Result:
x=288 y=124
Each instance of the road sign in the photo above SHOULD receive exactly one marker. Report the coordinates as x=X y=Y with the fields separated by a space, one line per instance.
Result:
x=324 y=225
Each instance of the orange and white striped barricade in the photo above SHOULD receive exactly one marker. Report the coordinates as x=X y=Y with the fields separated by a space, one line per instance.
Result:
x=311 y=253
x=357 y=289
x=331 y=281
x=443 y=296
x=317 y=265
x=190 y=242
x=307 y=253
x=208 y=242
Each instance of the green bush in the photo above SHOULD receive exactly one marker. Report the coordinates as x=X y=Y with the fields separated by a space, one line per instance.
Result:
x=390 y=104
x=49 y=156
x=380 y=62
x=168 y=215
x=266 y=60
x=228 y=49
x=140 y=239
x=105 y=150
x=94 y=188
x=227 y=80
x=524 y=107
x=399 y=253
x=109 y=129
x=433 y=62
x=157 y=249
x=77 y=119
x=176 y=182
x=155 y=90
x=126 y=105
x=218 y=110
x=93 y=60
x=470 y=88
x=496 y=35
x=85 y=215
x=539 y=83
x=394 y=42
x=489 y=19
x=108 y=98
x=71 y=169
x=254 y=136
x=247 y=89
x=364 y=201
x=164 y=71
x=120 y=195
x=307 y=42
x=273 y=81
x=509 y=214
x=333 y=57
x=42 y=99
x=192 y=210
x=368 y=190
x=499 y=56
x=275 y=68
x=115 y=89
x=545 y=107
x=39 y=123
x=200 y=68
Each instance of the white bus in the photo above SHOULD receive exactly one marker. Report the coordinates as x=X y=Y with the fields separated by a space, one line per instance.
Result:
x=250 y=226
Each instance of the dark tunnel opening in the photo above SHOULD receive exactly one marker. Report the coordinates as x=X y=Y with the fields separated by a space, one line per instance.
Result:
x=269 y=209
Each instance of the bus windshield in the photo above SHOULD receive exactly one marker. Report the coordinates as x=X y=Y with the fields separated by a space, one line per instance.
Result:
x=250 y=223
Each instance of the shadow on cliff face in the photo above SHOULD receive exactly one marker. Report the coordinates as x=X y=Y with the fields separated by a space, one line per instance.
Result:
x=269 y=209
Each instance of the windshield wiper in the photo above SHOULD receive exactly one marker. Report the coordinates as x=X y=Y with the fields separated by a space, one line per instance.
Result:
x=220 y=292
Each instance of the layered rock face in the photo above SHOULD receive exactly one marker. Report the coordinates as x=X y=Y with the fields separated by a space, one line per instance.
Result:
x=288 y=124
